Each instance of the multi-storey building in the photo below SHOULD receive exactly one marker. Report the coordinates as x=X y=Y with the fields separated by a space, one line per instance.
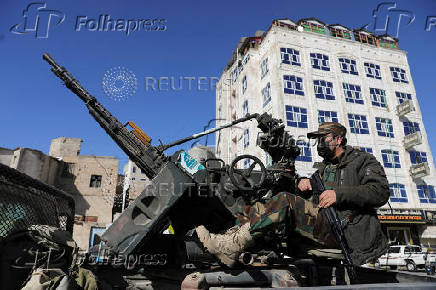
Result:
x=135 y=180
x=308 y=72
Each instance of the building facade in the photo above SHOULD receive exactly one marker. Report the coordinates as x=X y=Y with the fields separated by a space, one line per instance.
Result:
x=135 y=180
x=91 y=180
x=306 y=73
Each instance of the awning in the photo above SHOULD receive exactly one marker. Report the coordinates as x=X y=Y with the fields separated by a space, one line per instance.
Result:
x=429 y=232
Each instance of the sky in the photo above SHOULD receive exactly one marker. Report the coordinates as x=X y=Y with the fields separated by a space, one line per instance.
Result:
x=192 y=40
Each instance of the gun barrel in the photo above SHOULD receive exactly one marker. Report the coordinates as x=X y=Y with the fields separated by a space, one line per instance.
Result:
x=210 y=131
x=47 y=57
x=148 y=158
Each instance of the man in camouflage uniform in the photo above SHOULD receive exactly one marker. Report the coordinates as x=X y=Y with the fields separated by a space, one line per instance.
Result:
x=355 y=184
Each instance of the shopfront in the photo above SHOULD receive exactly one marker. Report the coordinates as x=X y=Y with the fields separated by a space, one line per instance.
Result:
x=428 y=232
x=402 y=226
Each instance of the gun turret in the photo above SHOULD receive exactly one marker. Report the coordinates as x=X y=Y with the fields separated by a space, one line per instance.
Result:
x=134 y=143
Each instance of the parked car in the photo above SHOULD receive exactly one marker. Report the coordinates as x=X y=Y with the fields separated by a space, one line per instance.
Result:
x=410 y=256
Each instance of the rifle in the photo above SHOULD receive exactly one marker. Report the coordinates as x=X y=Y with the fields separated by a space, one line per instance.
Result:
x=333 y=220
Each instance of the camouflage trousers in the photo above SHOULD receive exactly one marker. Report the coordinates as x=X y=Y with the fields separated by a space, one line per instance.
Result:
x=288 y=210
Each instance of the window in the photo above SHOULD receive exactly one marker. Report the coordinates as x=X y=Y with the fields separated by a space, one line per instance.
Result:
x=245 y=108
x=398 y=192
x=293 y=85
x=417 y=157
x=401 y=97
x=266 y=94
x=372 y=70
x=391 y=159
x=394 y=250
x=95 y=181
x=410 y=127
x=353 y=93
x=264 y=68
x=246 y=163
x=378 y=97
x=219 y=112
x=384 y=127
x=348 y=66
x=320 y=61
x=399 y=75
x=327 y=116
x=296 y=117
x=358 y=124
x=235 y=75
x=290 y=56
x=133 y=169
x=246 y=138
x=366 y=149
x=305 y=152
x=244 y=84
x=323 y=89
x=426 y=193
x=142 y=171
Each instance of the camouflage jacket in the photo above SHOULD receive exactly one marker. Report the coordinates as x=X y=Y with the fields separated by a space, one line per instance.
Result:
x=361 y=187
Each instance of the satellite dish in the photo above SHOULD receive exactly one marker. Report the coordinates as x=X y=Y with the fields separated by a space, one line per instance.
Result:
x=300 y=28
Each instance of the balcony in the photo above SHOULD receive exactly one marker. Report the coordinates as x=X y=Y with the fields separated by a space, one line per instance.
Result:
x=405 y=108
x=412 y=140
x=419 y=170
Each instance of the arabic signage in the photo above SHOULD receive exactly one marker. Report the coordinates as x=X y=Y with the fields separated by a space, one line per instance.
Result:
x=401 y=215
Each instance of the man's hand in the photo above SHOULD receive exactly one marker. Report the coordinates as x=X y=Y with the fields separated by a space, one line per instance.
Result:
x=304 y=184
x=327 y=198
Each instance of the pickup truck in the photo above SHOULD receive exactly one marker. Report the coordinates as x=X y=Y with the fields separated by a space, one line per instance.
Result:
x=410 y=256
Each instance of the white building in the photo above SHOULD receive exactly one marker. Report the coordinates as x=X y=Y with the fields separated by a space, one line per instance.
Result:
x=135 y=180
x=308 y=72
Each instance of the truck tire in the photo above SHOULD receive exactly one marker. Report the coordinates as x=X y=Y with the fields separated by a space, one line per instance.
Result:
x=411 y=266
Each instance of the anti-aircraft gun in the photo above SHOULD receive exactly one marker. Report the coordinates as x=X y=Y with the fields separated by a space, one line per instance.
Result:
x=174 y=179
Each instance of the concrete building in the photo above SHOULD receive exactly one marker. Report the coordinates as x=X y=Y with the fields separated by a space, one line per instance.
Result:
x=308 y=72
x=135 y=180
x=32 y=162
x=91 y=180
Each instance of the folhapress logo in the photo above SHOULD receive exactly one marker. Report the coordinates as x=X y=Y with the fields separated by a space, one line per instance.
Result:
x=38 y=20
x=105 y=23
x=387 y=18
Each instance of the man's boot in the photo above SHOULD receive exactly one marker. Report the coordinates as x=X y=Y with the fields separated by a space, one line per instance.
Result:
x=227 y=246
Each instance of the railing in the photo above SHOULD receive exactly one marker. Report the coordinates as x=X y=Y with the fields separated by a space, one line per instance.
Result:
x=411 y=140
x=419 y=170
x=405 y=108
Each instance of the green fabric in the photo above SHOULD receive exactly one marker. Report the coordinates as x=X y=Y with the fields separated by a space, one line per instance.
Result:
x=329 y=176
x=361 y=187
